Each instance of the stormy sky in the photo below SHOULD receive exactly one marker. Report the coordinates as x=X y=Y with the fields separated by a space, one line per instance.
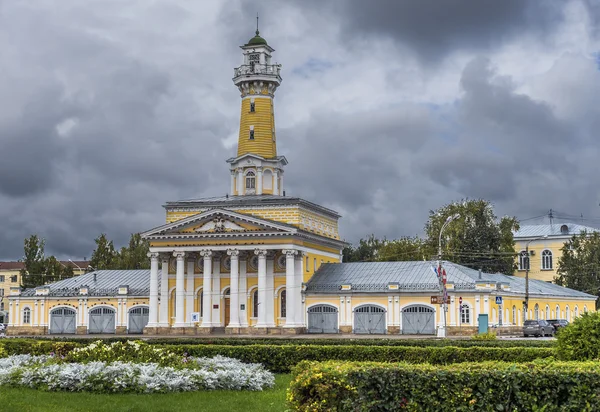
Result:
x=388 y=108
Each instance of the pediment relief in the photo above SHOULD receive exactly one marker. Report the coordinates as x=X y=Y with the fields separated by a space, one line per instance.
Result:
x=220 y=225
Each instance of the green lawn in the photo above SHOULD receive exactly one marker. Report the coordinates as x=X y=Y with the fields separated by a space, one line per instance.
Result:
x=30 y=400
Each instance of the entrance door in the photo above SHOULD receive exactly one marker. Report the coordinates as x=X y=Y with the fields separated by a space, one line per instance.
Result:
x=138 y=319
x=226 y=307
x=102 y=320
x=369 y=319
x=418 y=320
x=62 y=320
x=322 y=319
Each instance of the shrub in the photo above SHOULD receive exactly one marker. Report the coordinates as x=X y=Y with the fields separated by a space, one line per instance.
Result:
x=486 y=386
x=488 y=336
x=281 y=358
x=130 y=351
x=580 y=340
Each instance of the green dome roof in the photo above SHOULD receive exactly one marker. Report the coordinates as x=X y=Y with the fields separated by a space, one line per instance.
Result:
x=256 y=40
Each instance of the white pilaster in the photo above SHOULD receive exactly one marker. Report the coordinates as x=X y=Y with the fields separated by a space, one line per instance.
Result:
x=342 y=312
x=85 y=312
x=234 y=290
x=232 y=182
x=262 y=288
x=207 y=288
x=163 y=320
x=259 y=180
x=281 y=181
x=397 y=311
x=275 y=181
x=153 y=304
x=243 y=287
x=189 y=290
x=290 y=287
x=35 y=314
x=180 y=290
x=452 y=309
x=390 y=311
x=240 y=181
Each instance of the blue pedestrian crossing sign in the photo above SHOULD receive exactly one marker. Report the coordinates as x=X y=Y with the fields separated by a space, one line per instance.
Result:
x=498 y=300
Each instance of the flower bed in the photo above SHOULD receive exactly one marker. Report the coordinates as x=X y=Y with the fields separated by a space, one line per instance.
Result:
x=131 y=367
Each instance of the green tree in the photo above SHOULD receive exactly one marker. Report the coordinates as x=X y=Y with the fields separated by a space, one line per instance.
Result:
x=579 y=265
x=135 y=256
x=55 y=270
x=404 y=249
x=476 y=239
x=366 y=251
x=104 y=256
x=33 y=273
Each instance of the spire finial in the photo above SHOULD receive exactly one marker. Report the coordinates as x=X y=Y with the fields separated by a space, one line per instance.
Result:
x=257 y=24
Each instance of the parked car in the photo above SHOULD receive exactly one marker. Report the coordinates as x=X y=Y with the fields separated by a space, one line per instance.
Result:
x=558 y=323
x=537 y=328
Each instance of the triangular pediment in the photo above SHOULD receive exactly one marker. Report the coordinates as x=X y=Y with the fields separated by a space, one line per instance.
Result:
x=218 y=223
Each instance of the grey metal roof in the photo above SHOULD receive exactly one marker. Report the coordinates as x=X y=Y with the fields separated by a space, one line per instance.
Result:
x=106 y=284
x=418 y=276
x=249 y=200
x=527 y=231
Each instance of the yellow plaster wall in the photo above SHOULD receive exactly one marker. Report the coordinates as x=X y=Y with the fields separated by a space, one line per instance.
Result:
x=263 y=120
x=538 y=246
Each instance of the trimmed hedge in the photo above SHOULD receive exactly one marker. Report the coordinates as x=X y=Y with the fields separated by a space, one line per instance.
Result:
x=461 y=343
x=282 y=358
x=487 y=386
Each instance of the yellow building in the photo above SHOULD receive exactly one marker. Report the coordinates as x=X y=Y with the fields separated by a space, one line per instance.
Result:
x=10 y=277
x=258 y=261
x=544 y=243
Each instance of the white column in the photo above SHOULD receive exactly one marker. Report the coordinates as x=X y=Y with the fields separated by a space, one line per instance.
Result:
x=34 y=321
x=216 y=292
x=397 y=311
x=189 y=291
x=10 y=313
x=275 y=181
x=153 y=309
x=180 y=290
x=207 y=288
x=390 y=311
x=452 y=310
x=85 y=312
x=232 y=182
x=234 y=290
x=243 y=294
x=290 y=287
x=477 y=309
x=299 y=312
x=259 y=180
x=271 y=295
x=240 y=181
x=80 y=313
x=349 y=319
x=262 y=288
x=342 y=311
x=164 y=293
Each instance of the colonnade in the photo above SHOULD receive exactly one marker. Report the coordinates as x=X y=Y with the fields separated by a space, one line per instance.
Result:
x=211 y=287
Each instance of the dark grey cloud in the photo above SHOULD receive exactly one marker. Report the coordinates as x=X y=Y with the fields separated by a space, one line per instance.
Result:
x=108 y=112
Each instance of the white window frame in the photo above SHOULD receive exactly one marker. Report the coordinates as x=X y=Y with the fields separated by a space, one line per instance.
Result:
x=547 y=255
x=522 y=260
x=465 y=310
x=27 y=315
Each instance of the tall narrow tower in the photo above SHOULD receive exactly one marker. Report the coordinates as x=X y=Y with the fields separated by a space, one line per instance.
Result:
x=257 y=170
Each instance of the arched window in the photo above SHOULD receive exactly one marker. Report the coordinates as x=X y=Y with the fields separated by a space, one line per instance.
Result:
x=523 y=260
x=250 y=180
x=465 y=314
x=255 y=304
x=536 y=311
x=514 y=315
x=26 y=316
x=576 y=311
x=568 y=313
x=282 y=303
x=557 y=312
x=546 y=260
x=547 y=312
x=584 y=308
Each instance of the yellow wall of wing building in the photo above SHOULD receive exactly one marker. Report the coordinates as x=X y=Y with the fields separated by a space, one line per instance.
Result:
x=537 y=271
x=262 y=120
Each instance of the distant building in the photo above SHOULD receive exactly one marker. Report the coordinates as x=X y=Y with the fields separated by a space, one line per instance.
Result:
x=10 y=276
x=545 y=244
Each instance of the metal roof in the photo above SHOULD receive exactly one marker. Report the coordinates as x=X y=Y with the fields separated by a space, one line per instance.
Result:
x=248 y=200
x=106 y=284
x=555 y=229
x=419 y=276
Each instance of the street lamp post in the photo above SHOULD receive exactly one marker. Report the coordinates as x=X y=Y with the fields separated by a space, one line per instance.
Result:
x=442 y=332
x=527 y=275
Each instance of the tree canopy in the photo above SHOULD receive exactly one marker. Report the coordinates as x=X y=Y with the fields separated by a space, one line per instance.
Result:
x=475 y=239
x=39 y=269
x=133 y=256
x=579 y=265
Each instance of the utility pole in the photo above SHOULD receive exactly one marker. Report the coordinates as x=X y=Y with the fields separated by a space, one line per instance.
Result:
x=526 y=306
x=441 y=280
